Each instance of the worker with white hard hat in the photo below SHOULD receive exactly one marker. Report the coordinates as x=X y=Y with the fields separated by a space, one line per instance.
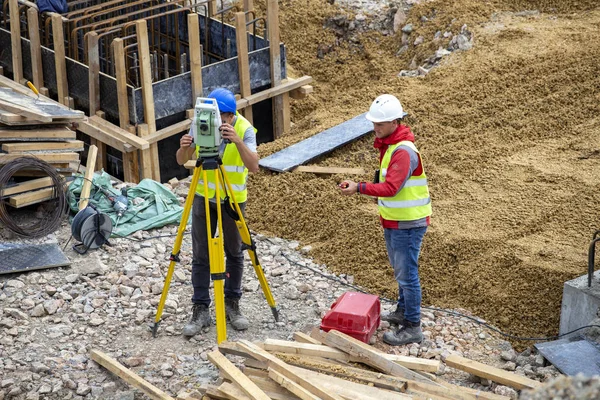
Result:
x=404 y=207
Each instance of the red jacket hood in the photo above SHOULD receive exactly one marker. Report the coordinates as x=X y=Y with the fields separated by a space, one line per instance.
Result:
x=401 y=133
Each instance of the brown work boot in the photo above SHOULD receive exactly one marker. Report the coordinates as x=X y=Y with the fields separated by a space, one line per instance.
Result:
x=395 y=317
x=200 y=319
x=234 y=315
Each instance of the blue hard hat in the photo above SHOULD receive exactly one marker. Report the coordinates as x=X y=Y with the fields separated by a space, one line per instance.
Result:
x=225 y=99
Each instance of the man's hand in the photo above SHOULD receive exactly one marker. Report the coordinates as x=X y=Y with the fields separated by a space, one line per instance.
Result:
x=348 y=188
x=228 y=133
x=186 y=141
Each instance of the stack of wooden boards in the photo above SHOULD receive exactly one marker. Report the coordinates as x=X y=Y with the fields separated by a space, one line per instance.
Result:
x=328 y=366
x=35 y=127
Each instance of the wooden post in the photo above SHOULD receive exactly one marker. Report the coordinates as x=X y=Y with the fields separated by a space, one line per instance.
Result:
x=15 y=39
x=35 y=47
x=130 y=160
x=195 y=56
x=249 y=6
x=62 y=86
x=212 y=8
x=89 y=175
x=93 y=57
x=150 y=156
x=242 y=55
x=275 y=56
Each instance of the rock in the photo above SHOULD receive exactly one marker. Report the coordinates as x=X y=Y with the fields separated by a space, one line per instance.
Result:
x=407 y=29
x=506 y=391
x=509 y=355
x=399 y=19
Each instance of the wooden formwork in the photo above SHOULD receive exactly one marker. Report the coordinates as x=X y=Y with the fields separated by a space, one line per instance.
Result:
x=109 y=43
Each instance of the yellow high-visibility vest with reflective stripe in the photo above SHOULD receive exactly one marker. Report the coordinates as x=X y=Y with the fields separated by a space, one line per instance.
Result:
x=412 y=202
x=232 y=164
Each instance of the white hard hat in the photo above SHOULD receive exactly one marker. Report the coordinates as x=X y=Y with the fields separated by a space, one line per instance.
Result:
x=385 y=108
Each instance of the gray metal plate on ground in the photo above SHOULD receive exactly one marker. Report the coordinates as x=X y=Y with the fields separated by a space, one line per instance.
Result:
x=317 y=145
x=572 y=356
x=23 y=258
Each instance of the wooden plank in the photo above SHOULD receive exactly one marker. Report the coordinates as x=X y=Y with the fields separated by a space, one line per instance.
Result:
x=89 y=175
x=93 y=72
x=270 y=387
x=36 y=147
x=242 y=55
x=368 y=355
x=452 y=392
x=195 y=55
x=286 y=370
x=121 y=75
x=26 y=186
x=233 y=392
x=275 y=65
x=149 y=156
x=24 y=111
x=33 y=26
x=488 y=372
x=169 y=131
x=301 y=92
x=15 y=40
x=315 y=169
x=272 y=92
x=99 y=133
x=291 y=385
x=129 y=376
x=125 y=135
x=29 y=198
x=229 y=370
x=38 y=134
x=146 y=169
x=302 y=337
x=48 y=157
x=60 y=62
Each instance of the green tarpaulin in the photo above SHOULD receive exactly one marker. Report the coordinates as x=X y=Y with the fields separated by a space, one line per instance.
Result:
x=150 y=204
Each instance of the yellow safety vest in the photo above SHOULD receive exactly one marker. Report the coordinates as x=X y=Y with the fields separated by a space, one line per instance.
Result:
x=232 y=164
x=412 y=202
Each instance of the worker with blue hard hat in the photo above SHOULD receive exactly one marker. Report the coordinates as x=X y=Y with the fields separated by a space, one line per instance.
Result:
x=239 y=156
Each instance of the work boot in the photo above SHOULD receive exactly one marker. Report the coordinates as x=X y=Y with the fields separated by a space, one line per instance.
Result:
x=200 y=319
x=394 y=317
x=234 y=315
x=410 y=332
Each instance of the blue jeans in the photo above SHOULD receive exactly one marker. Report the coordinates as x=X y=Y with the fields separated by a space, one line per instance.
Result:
x=403 y=247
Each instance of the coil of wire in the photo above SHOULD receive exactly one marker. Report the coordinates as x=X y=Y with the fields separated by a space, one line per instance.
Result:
x=54 y=212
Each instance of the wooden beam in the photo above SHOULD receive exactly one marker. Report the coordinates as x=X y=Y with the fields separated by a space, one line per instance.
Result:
x=33 y=184
x=15 y=41
x=93 y=72
x=301 y=92
x=233 y=392
x=36 y=147
x=60 y=60
x=368 y=355
x=272 y=92
x=99 y=133
x=488 y=372
x=29 y=198
x=169 y=131
x=89 y=175
x=302 y=337
x=230 y=371
x=249 y=6
x=37 y=134
x=121 y=75
x=330 y=170
x=48 y=157
x=126 y=136
x=129 y=376
x=195 y=55
x=291 y=386
x=149 y=159
x=275 y=61
x=35 y=47
x=242 y=55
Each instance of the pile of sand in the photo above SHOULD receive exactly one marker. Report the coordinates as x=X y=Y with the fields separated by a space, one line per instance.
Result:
x=509 y=136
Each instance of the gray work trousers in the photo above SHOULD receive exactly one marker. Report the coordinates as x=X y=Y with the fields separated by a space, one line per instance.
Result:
x=234 y=266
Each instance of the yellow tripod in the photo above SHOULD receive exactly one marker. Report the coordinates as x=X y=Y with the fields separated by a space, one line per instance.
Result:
x=216 y=252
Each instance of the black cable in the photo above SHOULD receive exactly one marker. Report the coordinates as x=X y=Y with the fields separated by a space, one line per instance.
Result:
x=53 y=218
x=485 y=324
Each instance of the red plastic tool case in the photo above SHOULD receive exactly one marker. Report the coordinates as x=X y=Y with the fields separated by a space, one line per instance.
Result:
x=355 y=314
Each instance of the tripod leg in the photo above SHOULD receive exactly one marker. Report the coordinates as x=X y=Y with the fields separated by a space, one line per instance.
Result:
x=251 y=247
x=216 y=256
x=177 y=247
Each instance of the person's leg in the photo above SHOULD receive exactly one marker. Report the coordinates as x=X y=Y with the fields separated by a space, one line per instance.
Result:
x=200 y=269
x=235 y=271
x=396 y=315
x=406 y=246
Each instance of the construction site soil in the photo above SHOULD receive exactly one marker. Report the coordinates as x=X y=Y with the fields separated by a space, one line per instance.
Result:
x=510 y=136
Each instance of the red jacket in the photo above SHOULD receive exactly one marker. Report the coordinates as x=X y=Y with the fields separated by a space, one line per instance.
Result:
x=398 y=172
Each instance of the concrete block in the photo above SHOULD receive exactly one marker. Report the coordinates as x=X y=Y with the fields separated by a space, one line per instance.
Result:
x=580 y=303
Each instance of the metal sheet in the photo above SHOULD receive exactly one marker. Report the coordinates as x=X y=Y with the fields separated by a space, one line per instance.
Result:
x=22 y=258
x=38 y=106
x=567 y=355
x=317 y=145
